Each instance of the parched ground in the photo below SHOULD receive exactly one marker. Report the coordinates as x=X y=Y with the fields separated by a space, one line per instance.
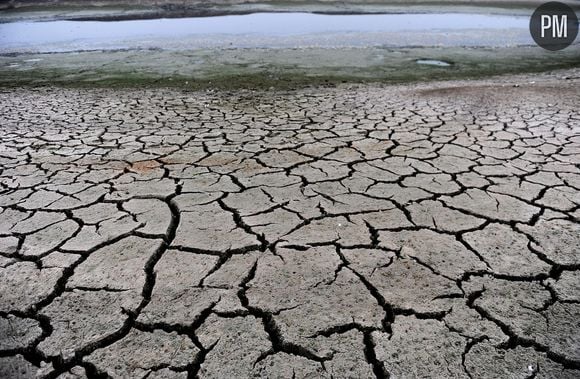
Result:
x=360 y=231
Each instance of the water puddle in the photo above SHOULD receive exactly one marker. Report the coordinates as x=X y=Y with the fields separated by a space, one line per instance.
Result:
x=244 y=30
x=433 y=62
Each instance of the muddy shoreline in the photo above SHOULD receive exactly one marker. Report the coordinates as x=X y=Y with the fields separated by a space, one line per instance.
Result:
x=272 y=68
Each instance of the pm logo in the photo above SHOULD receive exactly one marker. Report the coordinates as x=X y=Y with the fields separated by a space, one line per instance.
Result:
x=554 y=26
x=557 y=24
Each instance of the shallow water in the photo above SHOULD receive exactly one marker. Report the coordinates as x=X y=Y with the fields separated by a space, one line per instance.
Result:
x=163 y=33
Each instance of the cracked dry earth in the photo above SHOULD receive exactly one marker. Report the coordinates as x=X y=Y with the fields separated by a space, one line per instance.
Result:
x=421 y=231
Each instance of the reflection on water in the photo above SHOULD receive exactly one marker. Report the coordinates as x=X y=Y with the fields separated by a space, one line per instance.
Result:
x=90 y=33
